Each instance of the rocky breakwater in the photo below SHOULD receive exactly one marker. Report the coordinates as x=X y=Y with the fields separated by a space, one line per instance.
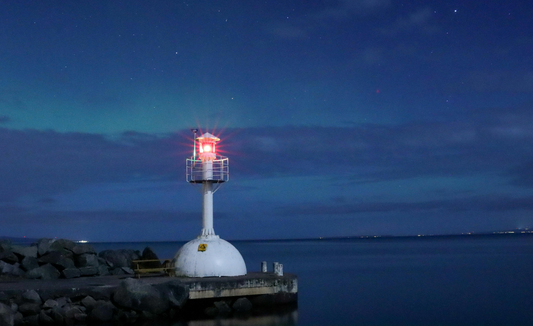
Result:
x=59 y=282
x=59 y=258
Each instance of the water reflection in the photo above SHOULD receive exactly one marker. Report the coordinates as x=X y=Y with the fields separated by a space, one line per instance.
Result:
x=279 y=318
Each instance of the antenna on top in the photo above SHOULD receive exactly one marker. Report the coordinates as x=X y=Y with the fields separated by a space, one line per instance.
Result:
x=194 y=131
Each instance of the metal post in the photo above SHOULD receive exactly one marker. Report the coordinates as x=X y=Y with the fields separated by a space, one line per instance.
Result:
x=264 y=268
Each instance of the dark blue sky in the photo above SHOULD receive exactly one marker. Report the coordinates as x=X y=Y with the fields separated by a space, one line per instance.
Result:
x=339 y=117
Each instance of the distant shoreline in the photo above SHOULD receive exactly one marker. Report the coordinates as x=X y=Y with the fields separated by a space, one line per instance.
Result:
x=525 y=231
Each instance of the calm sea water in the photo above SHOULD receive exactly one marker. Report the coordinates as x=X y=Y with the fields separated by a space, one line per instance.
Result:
x=464 y=280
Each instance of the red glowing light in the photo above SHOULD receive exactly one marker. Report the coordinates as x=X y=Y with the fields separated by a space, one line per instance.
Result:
x=208 y=148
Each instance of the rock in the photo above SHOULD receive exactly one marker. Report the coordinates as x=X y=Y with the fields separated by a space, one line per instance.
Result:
x=176 y=293
x=134 y=294
x=85 y=260
x=58 y=314
x=32 y=320
x=211 y=311
x=101 y=292
x=83 y=248
x=62 y=245
x=62 y=301
x=103 y=270
x=128 y=270
x=45 y=272
x=117 y=271
x=120 y=258
x=148 y=254
x=9 y=257
x=24 y=251
x=45 y=319
x=29 y=308
x=43 y=246
x=103 y=312
x=242 y=305
x=72 y=314
x=18 y=318
x=222 y=307
x=88 y=302
x=7 y=316
x=5 y=244
x=29 y=263
x=50 y=303
x=60 y=259
x=9 y=269
x=71 y=273
x=88 y=271
x=31 y=296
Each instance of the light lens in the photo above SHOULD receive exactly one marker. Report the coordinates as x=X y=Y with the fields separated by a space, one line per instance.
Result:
x=208 y=148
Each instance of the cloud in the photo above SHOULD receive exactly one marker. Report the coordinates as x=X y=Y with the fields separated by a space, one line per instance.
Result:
x=4 y=119
x=473 y=203
x=47 y=162
x=44 y=163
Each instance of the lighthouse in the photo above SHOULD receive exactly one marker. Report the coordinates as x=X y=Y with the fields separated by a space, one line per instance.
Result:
x=208 y=255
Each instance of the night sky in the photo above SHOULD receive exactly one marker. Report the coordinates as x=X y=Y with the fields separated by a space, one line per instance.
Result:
x=347 y=117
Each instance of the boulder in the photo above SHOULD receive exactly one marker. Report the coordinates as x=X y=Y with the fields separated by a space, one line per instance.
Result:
x=5 y=244
x=71 y=273
x=87 y=259
x=32 y=320
x=24 y=251
x=136 y=295
x=102 y=312
x=9 y=269
x=74 y=315
x=62 y=245
x=31 y=296
x=29 y=308
x=88 y=271
x=128 y=270
x=7 y=316
x=222 y=307
x=148 y=254
x=88 y=302
x=45 y=318
x=29 y=263
x=62 y=301
x=58 y=314
x=103 y=270
x=242 y=305
x=83 y=248
x=50 y=303
x=60 y=259
x=175 y=292
x=117 y=271
x=9 y=257
x=45 y=272
x=43 y=246
x=120 y=257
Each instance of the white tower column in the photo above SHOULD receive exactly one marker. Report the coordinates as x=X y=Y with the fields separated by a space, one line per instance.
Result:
x=207 y=209
x=207 y=202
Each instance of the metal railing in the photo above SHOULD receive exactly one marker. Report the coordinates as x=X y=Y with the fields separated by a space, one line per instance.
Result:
x=219 y=167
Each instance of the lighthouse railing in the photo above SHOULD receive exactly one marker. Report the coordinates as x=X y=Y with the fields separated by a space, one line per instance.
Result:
x=195 y=170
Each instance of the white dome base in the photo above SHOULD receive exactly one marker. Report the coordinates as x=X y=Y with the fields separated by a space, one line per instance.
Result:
x=208 y=256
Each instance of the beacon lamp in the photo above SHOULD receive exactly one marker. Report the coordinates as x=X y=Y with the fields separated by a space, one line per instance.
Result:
x=208 y=255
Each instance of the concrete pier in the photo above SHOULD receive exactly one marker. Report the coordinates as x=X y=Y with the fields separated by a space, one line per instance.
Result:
x=247 y=285
x=159 y=296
